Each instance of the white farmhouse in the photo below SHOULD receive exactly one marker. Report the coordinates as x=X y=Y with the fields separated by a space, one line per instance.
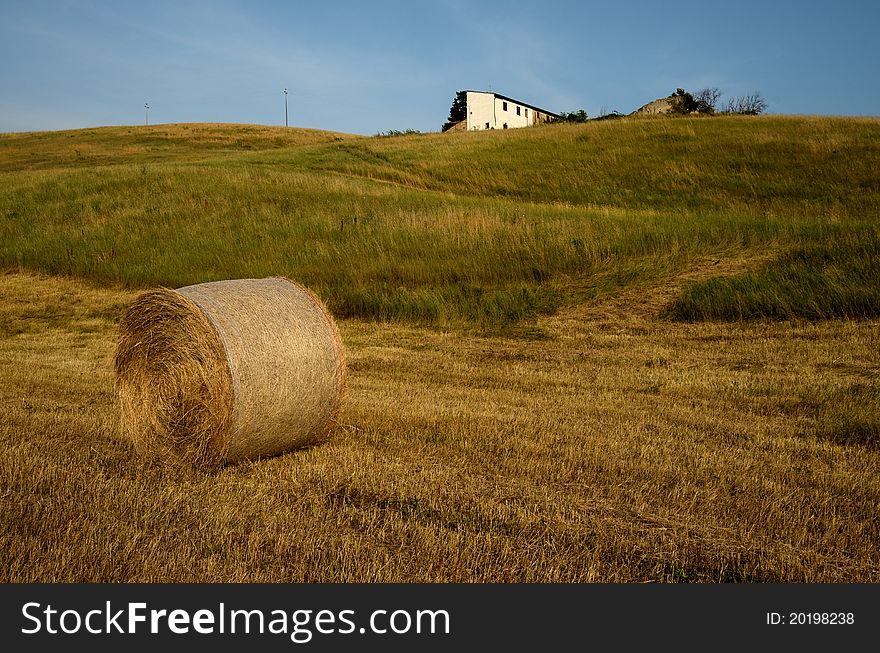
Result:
x=486 y=110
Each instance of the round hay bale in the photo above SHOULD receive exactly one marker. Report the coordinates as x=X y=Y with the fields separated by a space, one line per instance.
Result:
x=228 y=370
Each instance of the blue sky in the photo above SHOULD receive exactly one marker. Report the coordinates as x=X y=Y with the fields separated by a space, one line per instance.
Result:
x=366 y=67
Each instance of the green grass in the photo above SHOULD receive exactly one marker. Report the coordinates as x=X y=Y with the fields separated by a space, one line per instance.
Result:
x=445 y=229
x=835 y=272
x=759 y=165
x=104 y=146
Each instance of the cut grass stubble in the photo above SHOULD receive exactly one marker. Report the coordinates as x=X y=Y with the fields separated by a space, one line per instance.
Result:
x=614 y=450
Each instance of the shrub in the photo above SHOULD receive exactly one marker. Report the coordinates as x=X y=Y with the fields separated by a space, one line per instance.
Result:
x=574 y=116
x=749 y=105
x=683 y=102
x=397 y=132
x=703 y=101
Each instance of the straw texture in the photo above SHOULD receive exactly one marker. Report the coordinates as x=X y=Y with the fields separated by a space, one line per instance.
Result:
x=228 y=370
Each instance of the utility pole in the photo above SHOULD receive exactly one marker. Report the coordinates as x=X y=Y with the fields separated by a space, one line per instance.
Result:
x=146 y=114
x=285 y=107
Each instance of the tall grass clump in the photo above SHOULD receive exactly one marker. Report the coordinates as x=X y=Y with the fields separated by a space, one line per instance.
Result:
x=834 y=273
x=851 y=416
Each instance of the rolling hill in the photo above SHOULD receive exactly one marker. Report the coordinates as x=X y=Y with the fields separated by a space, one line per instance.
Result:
x=469 y=228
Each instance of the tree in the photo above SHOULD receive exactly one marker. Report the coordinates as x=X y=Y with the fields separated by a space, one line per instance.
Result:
x=574 y=116
x=707 y=99
x=748 y=105
x=683 y=102
x=458 y=110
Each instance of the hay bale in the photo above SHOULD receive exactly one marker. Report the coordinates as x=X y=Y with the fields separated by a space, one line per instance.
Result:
x=228 y=370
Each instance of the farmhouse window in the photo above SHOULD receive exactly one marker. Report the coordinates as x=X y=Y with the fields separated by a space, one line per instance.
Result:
x=487 y=125
x=504 y=105
x=518 y=111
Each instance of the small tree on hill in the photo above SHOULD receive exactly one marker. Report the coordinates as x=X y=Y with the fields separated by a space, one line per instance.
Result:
x=749 y=105
x=683 y=102
x=703 y=101
x=573 y=116
x=707 y=99
x=458 y=110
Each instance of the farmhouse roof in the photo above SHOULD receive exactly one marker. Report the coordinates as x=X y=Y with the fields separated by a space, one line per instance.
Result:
x=515 y=101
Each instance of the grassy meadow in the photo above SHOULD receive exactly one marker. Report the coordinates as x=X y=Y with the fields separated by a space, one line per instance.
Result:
x=634 y=350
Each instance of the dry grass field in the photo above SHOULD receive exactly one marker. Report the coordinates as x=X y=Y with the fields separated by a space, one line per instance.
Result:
x=613 y=446
x=652 y=354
